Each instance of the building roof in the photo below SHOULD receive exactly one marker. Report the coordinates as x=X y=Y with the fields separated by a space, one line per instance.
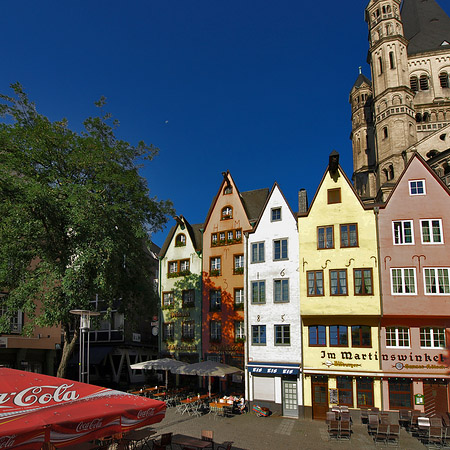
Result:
x=361 y=80
x=425 y=25
x=254 y=202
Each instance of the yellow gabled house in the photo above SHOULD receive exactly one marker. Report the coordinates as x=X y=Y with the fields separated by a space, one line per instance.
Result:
x=340 y=297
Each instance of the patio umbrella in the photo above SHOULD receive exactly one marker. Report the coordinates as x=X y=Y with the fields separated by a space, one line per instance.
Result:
x=207 y=369
x=37 y=409
x=159 y=364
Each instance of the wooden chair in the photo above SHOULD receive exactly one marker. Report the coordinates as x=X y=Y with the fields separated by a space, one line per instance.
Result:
x=225 y=446
x=331 y=415
x=208 y=435
x=364 y=415
x=404 y=418
x=372 y=424
x=393 y=435
x=164 y=442
x=333 y=429
x=381 y=434
x=434 y=437
x=345 y=431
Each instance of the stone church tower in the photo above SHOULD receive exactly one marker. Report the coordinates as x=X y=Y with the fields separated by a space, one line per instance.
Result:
x=405 y=107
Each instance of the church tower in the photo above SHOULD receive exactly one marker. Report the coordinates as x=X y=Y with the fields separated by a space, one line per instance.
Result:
x=393 y=108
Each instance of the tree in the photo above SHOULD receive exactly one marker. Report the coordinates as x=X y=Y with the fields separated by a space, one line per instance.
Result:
x=76 y=218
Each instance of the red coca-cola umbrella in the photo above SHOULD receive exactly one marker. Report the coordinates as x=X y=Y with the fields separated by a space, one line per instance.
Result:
x=37 y=409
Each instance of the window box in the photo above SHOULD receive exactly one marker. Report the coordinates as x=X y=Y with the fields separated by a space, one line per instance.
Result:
x=180 y=244
x=239 y=271
x=240 y=340
x=172 y=306
x=214 y=273
x=187 y=339
x=239 y=307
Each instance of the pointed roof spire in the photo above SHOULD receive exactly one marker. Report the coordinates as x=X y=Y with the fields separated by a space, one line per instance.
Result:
x=425 y=25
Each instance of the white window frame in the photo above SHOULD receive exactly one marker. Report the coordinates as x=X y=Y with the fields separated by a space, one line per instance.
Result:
x=403 y=269
x=215 y=263
x=400 y=239
x=429 y=334
x=436 y=277
x=215 y=330
x=168 y=298
x=411 y=187
x=239 y=329
x=396 y=337
x=238 y=261
x=239 y=296
x=430 y=227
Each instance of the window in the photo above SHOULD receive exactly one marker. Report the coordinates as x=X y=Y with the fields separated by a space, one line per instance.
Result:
x=385 y=133
x=325 y=237
x=417 y=187
x=228 y=190
x=423 y=82
x=215 y=297
x=282 y=335
x=258 y=291
x=168 y=331
x=414 y=83
x=361 y=336
x=391 y=60
x=363 y=281
x=364 y=392
x=168 y=299
x=338 y=336
x=432 y=337
x=238 y=235
x=400 y=393
x=349 y=235
x=239 y=333
x=188 y=298
x=437 y=281
x=258 y=252
x=230 y=235
x=281 y=291
x=443 y=78
x=338 y=282
x=403 y=232
x=431 y=231
x=227 y=213
x=214 y=239
x=238 y=264
x=188 y=330
x=258 y=335
x=178 y=268
x=275 y=214
x=334 y=196
x=345 y=389
x=239 y=298
x=226 y=237
x=215 y=266
x=180 y=240
x=403 y=281
x=317 y=335
x=280 y=249
x=397 y=337
x=215 y=329
x=15 y=319
x=315 y=282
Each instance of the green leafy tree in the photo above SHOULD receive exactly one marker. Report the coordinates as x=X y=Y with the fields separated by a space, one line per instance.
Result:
x=76 y=217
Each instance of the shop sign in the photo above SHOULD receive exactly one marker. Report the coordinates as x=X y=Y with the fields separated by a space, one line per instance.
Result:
x=180 y=314
x=274 y=370
x=181 y=348
x=227 y=349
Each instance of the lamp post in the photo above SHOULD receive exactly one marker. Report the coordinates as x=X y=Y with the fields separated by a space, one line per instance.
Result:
x=85 y=323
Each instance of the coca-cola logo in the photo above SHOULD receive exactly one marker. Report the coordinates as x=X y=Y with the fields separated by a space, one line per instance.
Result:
x=40 y=395
x=142 y=414
x=87 y=426
x=8 y=441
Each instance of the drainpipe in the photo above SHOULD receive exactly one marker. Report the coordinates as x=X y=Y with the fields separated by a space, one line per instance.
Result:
x=376 y=211
x=160 y=315
x=246 y=320
x=200 y=255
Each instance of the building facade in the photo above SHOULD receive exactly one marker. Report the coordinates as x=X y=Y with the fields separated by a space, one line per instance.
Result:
x=273 y=326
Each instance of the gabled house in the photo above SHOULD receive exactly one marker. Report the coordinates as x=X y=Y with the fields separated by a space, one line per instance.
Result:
x=273 y=325
x=180 y=291
x=340 y=297
x=414 y=231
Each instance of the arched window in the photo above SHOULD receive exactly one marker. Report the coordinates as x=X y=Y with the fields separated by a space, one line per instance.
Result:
x=385 y=133
x=227 y=213
x=423 y=81
x=391 y=172
x=180 y=240
x=391 y=60
x=443 y=78
x=414 y=83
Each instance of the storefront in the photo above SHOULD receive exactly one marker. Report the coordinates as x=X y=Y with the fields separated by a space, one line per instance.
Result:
x=276 y=386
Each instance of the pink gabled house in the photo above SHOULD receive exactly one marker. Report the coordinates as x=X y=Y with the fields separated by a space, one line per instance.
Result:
x=414 y=239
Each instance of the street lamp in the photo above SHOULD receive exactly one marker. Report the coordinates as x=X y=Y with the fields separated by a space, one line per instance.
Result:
x=85 y=323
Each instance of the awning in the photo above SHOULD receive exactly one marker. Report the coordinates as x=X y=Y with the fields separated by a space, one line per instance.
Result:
x=273 y=368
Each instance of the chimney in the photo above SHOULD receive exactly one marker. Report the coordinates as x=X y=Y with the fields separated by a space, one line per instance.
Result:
x=302 y=201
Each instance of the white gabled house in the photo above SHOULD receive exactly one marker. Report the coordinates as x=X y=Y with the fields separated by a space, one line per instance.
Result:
x=273 y=323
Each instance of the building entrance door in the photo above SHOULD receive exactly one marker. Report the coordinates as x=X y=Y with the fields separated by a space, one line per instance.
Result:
x=290 y=402
x=435 y=396
x=319 y=399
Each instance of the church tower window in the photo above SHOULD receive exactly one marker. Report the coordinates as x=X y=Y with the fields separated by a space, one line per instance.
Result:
x=414 y=83
x=391 y=60
x=443 y=78
x=423 y=83
x=385 y=133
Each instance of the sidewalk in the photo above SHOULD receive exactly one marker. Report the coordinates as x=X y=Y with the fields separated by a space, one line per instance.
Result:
x=249 y=432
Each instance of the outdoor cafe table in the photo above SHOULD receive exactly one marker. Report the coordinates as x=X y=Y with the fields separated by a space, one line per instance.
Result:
x=135 y=437
x=195 y=398
x=188 y=441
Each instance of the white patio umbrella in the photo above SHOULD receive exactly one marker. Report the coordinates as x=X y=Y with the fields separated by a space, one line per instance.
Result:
x=206 y=369
x=158 y=364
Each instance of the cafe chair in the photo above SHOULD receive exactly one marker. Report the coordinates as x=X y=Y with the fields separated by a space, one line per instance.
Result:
x=208 y=435
x=164 y=442
x=381 y=434
x=345 y=431
x=333 y=429
x=393 y=435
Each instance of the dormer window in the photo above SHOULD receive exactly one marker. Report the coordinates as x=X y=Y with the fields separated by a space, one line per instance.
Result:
x=180 y=240
x=228 y=189
x=227 y=213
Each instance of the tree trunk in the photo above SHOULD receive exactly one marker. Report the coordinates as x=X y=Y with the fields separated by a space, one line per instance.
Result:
x=69 y=345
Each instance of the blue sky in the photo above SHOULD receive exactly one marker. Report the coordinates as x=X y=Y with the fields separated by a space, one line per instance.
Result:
x=258 y=88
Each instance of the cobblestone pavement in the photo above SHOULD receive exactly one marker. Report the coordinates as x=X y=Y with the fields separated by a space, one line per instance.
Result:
x=250 y=432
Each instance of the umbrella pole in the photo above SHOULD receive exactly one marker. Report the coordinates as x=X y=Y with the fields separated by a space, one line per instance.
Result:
x=209 y=385
x=166 y=378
